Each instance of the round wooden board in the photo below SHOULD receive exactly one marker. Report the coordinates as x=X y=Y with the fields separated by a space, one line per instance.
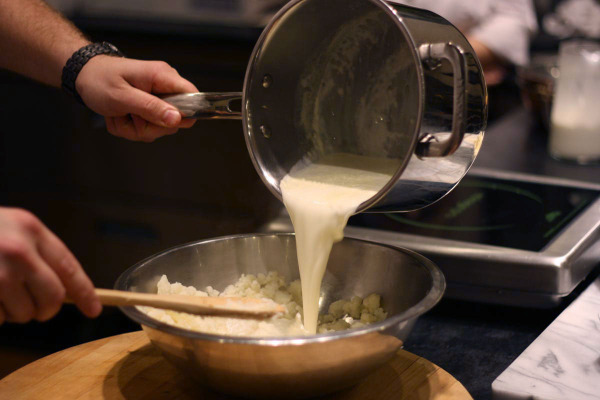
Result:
x=128 y=367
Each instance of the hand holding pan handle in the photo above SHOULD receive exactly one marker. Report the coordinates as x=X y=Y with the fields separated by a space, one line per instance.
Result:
x=205 y=105
x=218 y=105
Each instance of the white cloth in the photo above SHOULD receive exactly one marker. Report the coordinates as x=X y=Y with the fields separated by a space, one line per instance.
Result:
x=504 y=26
x=574 y=18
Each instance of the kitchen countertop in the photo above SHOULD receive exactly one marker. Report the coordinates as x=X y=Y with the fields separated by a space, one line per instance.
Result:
x=564 y=361
x=476 y=342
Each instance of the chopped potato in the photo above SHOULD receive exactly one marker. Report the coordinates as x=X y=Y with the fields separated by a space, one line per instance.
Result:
x=342 y=314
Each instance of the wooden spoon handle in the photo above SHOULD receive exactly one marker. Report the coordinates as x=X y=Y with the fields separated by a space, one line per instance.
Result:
x=241 y=307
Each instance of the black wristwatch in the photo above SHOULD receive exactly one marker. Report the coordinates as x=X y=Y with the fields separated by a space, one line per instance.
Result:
x=79 y=59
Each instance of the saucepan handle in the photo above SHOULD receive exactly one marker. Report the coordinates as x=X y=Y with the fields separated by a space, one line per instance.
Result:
x=429 y=145
x=205 y=105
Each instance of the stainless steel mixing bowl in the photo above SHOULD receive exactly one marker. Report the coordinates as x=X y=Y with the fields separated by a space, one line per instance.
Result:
x=293 y=367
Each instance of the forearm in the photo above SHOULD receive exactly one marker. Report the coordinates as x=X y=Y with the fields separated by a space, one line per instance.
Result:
x=35 y=40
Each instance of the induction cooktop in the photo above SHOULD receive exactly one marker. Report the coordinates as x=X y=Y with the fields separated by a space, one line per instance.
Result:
x=513 y=214
x=499 y=237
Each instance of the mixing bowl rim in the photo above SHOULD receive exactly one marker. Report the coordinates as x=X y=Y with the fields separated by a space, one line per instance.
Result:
x=431 y=298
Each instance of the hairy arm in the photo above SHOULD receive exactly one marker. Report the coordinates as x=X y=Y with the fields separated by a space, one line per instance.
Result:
x=36 y=268
x=35 y=40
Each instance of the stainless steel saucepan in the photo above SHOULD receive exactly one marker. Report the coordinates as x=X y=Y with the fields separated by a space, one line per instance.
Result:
x=364 y=77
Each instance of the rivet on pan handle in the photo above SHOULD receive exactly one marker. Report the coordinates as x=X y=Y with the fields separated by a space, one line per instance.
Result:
x=429 y=144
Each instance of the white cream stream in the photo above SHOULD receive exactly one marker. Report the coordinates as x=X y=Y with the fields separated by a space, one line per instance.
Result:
x=319 y=199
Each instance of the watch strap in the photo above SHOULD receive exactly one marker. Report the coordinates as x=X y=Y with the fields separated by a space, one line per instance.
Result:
x=74 y=64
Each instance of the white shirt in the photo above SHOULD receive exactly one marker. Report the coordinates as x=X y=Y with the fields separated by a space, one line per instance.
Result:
x=504 y=26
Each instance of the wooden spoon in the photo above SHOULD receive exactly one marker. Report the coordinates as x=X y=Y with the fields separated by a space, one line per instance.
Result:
x=239 y=307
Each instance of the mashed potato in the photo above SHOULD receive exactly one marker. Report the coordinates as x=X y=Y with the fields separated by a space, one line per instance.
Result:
x=343 y=314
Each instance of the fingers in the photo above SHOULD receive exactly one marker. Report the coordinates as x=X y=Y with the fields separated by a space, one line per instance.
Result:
x=75 y=281
x=147 y=78
x=187 y=123
x=36 y=270
x=156 y=77
x=150 y=108
x=148 y=130
x=47 y=291
x=18 y=303
x=136 y=128
x=119 y=87
x=18 y=234
x=31 y=292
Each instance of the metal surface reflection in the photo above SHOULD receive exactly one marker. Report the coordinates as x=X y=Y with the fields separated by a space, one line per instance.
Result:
x=366 y=78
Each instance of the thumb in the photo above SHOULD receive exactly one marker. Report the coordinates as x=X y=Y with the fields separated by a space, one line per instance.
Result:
x=150 y=108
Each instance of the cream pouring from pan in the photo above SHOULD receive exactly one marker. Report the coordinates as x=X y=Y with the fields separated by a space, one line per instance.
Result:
x=366 y=77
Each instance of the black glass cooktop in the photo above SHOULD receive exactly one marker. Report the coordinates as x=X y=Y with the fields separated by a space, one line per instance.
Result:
x=506 y=213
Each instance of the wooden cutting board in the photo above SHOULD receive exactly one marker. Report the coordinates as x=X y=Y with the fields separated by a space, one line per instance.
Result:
x=127 y=367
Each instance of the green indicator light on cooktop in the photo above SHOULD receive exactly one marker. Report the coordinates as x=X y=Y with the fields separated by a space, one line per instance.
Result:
x=464 y=205
x=552 y=215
